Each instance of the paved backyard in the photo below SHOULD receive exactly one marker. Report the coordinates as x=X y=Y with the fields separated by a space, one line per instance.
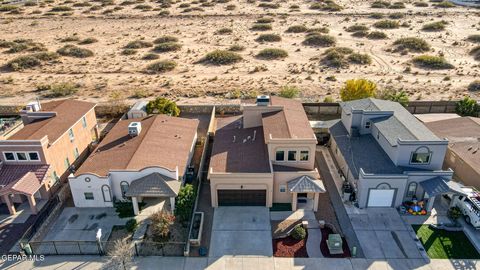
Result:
x=241 y=231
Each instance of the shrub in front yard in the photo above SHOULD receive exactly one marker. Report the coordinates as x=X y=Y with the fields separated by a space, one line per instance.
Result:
x=131 y=225
x=184 y=202
x=161 y=222
x=299 y=233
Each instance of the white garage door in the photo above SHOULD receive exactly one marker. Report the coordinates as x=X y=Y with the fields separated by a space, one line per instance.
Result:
x=380 y=197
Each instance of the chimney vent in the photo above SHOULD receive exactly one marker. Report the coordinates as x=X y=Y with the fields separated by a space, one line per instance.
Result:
x=134 y=129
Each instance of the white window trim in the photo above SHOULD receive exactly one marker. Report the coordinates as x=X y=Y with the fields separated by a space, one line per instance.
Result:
x=23 y=152
x=280 y=150
x=300 y=156
x=72 y=135
x=93 y=196
x=283 y=187
x=296 y=156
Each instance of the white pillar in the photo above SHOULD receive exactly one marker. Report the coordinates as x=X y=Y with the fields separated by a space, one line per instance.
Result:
x=10 y=206
x=172 y=204
x=33 y=204
x=135 y=206
x=430 y=202
x=315 y=202
x=294 y=201
x=452 y=201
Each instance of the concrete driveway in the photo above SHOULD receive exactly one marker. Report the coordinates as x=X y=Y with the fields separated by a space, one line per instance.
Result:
x=383 y=234
x=241 y=231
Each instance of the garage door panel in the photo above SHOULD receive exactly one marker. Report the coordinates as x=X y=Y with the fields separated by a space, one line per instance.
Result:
x=380 y=197
x=234 y=197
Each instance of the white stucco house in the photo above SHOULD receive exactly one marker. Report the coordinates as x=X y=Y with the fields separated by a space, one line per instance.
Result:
x=140 y=159
x=388 y=156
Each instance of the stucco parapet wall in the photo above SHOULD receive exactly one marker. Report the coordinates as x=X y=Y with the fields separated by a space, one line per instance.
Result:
x=422 y=143
x=236 y=175
x=405 y=175
x=42 y=141
x=291 y=140
x=84 y=175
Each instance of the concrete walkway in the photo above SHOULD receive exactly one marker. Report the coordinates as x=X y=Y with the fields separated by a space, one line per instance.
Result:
x=313 y=243
x=239 y=262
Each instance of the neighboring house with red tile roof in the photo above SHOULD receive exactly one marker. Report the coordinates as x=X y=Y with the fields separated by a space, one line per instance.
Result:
x=54 y=136
x=149 y=163
x=265 y=156
x=463 y=154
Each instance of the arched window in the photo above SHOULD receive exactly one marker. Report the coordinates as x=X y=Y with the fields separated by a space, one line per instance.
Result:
x=421 y=156
x=107 y=196
x=412 y=190
x=124 y=188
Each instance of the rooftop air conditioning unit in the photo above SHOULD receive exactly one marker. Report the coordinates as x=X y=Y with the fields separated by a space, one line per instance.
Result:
x=33 y=106
x=134 y=129
x=263 y=100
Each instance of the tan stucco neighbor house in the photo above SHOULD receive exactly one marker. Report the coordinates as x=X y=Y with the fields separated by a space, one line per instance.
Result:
x=139 y=160
x=36 y=158
x=265 y=156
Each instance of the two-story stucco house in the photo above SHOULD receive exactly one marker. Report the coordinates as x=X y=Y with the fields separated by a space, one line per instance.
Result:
x=265 y=156
x=387 y=155
x=37 y=157
x=141 y=159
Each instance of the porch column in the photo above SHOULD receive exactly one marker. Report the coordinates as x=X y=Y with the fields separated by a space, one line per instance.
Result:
x=430 y=202
x=452 y=201
x=135 y=206
x=33 y=204
x=294 y=201
x=172 y=204
x=10 y=206
x=315 y=202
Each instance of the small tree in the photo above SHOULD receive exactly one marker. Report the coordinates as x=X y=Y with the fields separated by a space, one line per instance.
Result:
x=357 y=89
x=454 y=213
x=394 y=95
x=185 y=201
x=288 y=91
x=161 y=222
x=467 y=107
x=121 y=255
x=163 y=106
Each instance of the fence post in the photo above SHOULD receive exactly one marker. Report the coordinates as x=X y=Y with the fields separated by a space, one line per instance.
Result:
x=79 y=249
x=55 y=247
x=136 y=250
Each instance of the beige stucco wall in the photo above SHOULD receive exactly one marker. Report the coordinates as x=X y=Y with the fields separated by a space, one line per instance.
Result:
x=462 y=171
x=252 y=115
x=281 y=178
x=297 y=145
x=241 y=181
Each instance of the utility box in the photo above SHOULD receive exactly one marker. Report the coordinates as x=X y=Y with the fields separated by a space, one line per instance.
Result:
x=335 y=244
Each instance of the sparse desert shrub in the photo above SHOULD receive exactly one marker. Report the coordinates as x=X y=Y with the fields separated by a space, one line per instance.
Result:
x=82 y=4
x=162 y=105
x=167 y=47
x=357 y=89
x=161 y=66
x=326 y=5
x=297 y=29
x=435 y=26
x=432 y=62
x=17 y=47
x=380 y=4
x=30 y=4
x=420 y=4
x=272 y=54
x=150 y=56
x=318 y=40
x=261 y=27
x=474 y=86
x=8 y=8
x=360 y=34
x=129 y=51
x=377 y=15
x=62 y=89
x=377 y=35
x=397 y=5
x=467 y=107
x=265 y=20
x=61 y=9
x=299 y=233
x=143 y=7
x=341 y=50
x=74 y=51
x=30 y=61
x=474 y=38
x=334 y=59
x=236 y=48
x=396 y=15
x=357 y=27
x=475 y=52
x=444 y=4
x=269 y=5
x=316 y=30
x=88 y=41
x=360 y=59
x=289 y=91
x=268 y=38
x=224 y=31
x=70 y=39
x=165 y=39
x=230 y=7
x=221 y=57
x=138 y=44
x=45 y=56
x=386 y=24
x=412 y=44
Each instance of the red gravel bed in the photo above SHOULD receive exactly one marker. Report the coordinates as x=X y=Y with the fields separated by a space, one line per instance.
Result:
x=290 y=247
x=324 y=248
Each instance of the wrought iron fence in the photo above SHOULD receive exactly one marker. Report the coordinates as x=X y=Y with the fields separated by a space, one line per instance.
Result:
x=144 y=248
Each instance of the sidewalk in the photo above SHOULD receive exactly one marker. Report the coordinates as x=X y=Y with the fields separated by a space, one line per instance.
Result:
x=247 y=263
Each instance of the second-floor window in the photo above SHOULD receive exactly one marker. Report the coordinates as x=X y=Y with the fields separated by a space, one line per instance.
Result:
x=9 y=156
x=280 y=156
x=21 y=156
x=292 y=155
x=67 y=163
x=76 y=153
x=303 y=155
x=71 y=135
x=84 y=122
x=33 y=156
x=421 y=156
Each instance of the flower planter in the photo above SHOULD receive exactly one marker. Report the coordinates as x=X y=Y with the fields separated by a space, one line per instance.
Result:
x=197 y=226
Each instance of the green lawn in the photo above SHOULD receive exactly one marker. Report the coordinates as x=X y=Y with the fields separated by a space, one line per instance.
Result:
x=441 y=244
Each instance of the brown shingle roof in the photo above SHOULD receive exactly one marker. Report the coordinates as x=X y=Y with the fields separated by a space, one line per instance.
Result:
x=463 y=136
x=239 y=157
x=69 y=111
x=22 y=178
x=289 y=123
x=164 y=141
